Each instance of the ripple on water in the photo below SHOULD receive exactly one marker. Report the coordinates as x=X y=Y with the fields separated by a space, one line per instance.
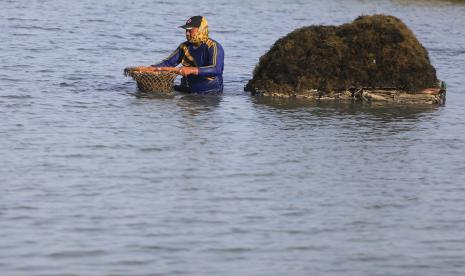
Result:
x=77 y=254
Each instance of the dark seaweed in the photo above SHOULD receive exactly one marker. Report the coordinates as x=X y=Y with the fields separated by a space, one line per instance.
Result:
x=372 y=51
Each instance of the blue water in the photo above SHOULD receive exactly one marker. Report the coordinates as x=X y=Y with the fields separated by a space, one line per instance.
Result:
x=96 y=179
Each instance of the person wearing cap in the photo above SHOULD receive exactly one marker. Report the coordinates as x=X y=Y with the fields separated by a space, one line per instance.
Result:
x=201 y=57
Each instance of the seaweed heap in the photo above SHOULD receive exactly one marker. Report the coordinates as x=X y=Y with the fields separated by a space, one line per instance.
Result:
x=377 y=51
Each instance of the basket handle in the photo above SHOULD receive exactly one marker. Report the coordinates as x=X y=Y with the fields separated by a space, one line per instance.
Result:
x=167 y=69
x=150 y=69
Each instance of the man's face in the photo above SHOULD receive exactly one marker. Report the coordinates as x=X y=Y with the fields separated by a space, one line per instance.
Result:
x=191 y=33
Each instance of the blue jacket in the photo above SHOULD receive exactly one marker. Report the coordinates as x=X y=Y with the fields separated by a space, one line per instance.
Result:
x=208 y=57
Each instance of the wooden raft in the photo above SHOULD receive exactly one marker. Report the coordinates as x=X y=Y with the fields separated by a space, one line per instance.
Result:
x=435 y=96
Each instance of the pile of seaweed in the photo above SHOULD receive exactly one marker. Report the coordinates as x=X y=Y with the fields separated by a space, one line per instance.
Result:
x=377 y=51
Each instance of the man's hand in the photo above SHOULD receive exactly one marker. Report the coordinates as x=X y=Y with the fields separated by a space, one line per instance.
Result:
x=185 y=71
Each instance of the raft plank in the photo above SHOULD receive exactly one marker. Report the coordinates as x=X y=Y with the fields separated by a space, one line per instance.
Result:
x=428 y=96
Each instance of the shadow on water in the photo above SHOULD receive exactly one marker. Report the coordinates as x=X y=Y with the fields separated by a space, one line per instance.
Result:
x=380 y=111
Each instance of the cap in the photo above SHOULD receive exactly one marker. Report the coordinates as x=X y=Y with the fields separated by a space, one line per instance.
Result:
x=193 y=22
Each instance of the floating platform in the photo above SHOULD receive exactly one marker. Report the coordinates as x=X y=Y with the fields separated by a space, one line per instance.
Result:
x=434 y=96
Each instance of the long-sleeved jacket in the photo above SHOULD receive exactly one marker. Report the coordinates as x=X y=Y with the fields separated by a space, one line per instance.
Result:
x=208 y=57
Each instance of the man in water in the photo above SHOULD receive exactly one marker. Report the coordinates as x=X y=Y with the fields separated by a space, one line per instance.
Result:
x=202 y=59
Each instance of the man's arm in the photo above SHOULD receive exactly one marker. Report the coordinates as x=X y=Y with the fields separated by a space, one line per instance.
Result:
x=217 y=60
x=172 y=60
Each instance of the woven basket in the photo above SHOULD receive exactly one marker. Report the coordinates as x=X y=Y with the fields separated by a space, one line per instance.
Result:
x=152 y=81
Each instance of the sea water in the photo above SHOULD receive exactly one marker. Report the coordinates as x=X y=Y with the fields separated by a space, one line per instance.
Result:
x=97 y=179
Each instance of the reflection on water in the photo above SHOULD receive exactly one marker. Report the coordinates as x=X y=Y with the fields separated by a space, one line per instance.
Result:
x=154 y=96
x=193 y=104
x=210 y=100
x=382 y=111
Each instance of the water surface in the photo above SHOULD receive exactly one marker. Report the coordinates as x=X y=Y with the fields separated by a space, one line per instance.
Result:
x=96 y=179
